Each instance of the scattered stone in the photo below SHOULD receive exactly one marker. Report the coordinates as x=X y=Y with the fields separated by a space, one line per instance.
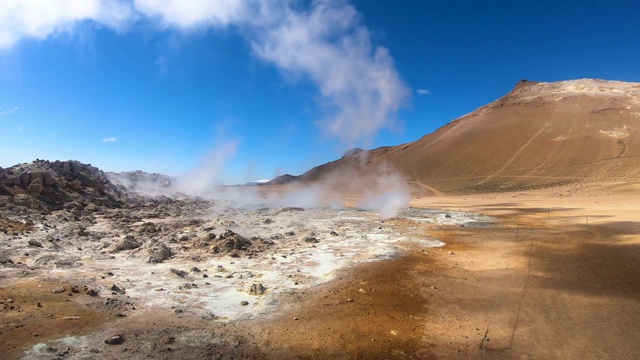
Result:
x=333 y=233
x=116 y=289
x=244 y=303
x=188 y=286
x=34 y=243
x=58 y=290
x=114 y=340
x=179 y=273
x=257 y=289
x=90 y=291
x=310 y=239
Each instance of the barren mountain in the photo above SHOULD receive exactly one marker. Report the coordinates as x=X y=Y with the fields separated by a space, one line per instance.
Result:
x=540 y=134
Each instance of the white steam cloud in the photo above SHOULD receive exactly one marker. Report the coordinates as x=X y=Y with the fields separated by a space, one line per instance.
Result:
x=205 y=177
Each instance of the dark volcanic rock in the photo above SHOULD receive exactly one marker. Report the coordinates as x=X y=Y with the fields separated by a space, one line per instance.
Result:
x=257 y=289
x=114 y=340
x=127 y=243
x=158 y=252
x=228 y=242
x=50 y=185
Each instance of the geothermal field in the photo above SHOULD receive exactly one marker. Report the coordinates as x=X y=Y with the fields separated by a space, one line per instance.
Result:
x=526 y=252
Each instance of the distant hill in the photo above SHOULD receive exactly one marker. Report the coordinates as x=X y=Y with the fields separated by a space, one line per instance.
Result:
x=538 y=135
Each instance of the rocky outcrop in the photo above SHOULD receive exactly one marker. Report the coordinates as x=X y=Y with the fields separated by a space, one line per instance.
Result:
x=51 y=185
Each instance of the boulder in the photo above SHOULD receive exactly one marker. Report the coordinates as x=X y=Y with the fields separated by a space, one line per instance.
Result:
x=310 y=239
x=114 y=340
x=158 y=252
x=257 y=289
x=34 y=243
x=127 y=243
x=229 y=241
x=6 y=181
x=48 y=179
x=76 y=185
x=25 y=177
x=36 y=186
x=36 y=175
x=86 y=180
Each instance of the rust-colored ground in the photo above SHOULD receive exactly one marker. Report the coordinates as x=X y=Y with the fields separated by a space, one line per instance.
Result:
x=556 y=277
x=32 y=313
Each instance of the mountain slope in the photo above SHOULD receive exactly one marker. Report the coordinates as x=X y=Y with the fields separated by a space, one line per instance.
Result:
x=540 y=134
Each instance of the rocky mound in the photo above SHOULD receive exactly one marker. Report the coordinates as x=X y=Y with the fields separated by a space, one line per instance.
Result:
x=53 y=185
x=233 y=244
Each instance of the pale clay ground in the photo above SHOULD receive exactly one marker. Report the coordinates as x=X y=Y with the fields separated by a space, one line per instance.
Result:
x=514 y=273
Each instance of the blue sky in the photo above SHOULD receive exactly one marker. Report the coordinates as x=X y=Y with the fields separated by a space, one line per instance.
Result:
x=261 y=88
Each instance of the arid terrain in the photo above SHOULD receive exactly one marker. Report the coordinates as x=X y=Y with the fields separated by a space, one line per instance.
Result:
x=523 y=244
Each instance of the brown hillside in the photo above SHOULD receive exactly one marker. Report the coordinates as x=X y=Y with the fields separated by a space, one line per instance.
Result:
x=540 y=134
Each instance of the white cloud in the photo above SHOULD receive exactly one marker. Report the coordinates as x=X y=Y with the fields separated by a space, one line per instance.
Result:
x=111 y=139
x=357 y=82
x=324 y=42
x=8 y=111
x=423 y=92
x=39 y=19
x=192 y=14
